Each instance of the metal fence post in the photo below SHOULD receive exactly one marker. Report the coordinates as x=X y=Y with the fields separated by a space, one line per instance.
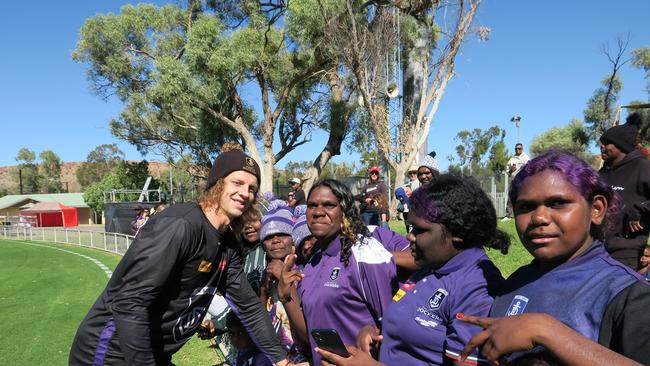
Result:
x=115 y=241
x=505 y=191
x=104 y=236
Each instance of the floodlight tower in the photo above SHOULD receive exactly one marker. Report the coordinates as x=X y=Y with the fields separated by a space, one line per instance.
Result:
x=516 y=119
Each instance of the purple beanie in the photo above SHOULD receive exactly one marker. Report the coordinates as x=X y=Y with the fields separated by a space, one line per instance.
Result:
x=277 y=221
x=300 y=231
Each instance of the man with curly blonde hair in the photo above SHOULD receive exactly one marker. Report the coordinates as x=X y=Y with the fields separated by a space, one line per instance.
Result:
x=162 y=287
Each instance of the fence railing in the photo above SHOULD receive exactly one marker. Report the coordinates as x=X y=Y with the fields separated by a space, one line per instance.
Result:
x=110 y=242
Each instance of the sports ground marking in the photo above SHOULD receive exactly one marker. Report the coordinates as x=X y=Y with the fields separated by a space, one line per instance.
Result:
x=101 y=265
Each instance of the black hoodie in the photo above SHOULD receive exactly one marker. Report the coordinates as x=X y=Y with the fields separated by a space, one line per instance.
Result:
x=630 y=178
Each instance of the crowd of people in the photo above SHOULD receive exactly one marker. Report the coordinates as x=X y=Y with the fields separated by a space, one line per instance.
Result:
x=326 y=262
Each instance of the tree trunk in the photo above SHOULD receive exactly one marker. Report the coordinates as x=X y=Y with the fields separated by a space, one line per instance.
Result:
x=339 y=118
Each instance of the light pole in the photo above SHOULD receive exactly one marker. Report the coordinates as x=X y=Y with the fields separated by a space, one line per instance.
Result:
x=516 y=119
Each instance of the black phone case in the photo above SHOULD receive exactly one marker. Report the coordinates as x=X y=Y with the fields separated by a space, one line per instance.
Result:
x=329 y=340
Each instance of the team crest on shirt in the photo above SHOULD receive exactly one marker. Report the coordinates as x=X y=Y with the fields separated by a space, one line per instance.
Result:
x=191 y=317
x=437 y=298
x=517 y=306
x=335 y=273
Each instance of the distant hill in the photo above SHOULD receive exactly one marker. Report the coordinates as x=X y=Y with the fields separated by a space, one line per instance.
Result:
x=69 y=175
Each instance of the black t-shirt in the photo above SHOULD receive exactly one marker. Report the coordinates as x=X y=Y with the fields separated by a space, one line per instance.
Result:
x=299 y=196
x=625 y=328
x=161 y=290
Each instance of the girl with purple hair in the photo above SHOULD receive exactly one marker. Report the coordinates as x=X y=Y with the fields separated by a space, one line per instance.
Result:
x=573 y=294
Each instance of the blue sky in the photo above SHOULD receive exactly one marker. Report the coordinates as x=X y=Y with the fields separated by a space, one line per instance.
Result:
x=542 y=62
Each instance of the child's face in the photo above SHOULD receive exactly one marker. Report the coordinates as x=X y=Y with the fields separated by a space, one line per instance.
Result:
x=251 y=231
x=553 y=219
x=307 y=247
x=645 y=258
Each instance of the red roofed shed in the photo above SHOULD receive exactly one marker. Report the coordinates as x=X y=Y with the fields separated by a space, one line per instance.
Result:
x=52 y=214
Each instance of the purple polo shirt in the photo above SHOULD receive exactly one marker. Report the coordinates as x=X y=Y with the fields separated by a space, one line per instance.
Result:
x=392 y=241
x=420 y=325
x=347 y=298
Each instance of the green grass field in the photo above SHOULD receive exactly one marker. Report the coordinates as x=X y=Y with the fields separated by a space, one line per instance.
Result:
x=45 y=293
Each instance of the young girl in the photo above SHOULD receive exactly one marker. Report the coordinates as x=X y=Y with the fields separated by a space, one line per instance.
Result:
x=561 y=208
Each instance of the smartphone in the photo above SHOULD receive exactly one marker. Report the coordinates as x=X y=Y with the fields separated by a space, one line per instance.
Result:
x=329 y=340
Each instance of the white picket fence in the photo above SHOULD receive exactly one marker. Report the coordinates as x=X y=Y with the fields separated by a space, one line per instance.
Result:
x=110 y=242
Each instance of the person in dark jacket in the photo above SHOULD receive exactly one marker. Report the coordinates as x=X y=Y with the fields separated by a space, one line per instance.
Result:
x=162 y=287
x=374 y=208
x=628 y=172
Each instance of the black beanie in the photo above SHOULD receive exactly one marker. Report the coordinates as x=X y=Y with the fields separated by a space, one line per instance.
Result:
x=230 y=161
x=623 y=136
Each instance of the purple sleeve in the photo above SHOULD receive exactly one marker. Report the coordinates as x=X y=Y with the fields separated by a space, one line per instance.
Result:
x=378 y=281
x=392 y=241
x=475 y=301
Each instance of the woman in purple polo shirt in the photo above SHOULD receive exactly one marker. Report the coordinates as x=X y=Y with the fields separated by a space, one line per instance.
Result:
x=452 y=220
x=348 y=281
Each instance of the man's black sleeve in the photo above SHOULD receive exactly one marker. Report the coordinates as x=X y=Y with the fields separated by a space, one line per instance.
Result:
x=625 y=328
x=249 y=309
x=138 y=282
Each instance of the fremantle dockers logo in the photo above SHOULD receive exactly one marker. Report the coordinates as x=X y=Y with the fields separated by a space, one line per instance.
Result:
x=436 y=299
x=517 y=306
x=191 y=317
x=335 y=273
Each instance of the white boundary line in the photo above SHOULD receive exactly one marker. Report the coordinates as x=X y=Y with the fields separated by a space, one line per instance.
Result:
x=101 y=265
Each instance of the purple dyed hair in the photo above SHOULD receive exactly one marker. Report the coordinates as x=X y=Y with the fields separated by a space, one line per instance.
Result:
x=424 y=207
x=575 y=171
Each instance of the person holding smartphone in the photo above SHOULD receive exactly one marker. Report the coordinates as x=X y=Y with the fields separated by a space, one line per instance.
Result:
x=452 y=221
x=348 y=282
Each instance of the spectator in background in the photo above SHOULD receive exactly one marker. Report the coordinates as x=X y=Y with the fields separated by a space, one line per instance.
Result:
x=374 y=207
x=404 y=192
x=144 y=217
x=428 y=169
x=298 y=194
x=139 y=210
x=412 y=175
x=515 y=164
x=627 y=171
x=517 y=161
